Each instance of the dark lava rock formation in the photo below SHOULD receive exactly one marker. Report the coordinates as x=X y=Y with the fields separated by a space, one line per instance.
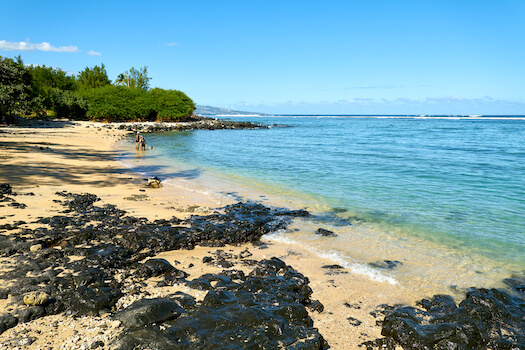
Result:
x=485 y=319
x=325 y=232
x=193 y=123
x=265 y=309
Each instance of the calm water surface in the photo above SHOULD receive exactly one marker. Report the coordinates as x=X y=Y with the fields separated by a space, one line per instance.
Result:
x=452 y=189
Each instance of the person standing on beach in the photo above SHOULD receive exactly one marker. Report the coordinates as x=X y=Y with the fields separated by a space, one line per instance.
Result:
x=142 y=142
x=137 y=140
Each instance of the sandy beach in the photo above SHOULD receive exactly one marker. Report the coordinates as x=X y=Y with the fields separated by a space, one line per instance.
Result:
x=40 y=158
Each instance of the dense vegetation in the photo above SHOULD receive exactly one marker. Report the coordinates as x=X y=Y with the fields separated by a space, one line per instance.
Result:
x=37 y=90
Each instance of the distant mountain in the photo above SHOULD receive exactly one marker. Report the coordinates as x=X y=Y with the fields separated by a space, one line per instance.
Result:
x=207 y=110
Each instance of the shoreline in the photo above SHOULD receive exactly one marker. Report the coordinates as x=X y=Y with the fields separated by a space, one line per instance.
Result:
x=44 y=159
x=78 y=157
x=422 y=266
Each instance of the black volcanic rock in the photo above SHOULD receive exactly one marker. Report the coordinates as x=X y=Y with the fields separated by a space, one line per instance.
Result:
x=264 y=310
x=485 y=319
x=5 y=189
x=325 y=233
x=267 y=307
x=147 y=311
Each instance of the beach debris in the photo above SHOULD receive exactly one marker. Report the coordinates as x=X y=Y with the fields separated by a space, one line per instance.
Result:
x=154 y=182
x=36 y=298
x=325 y=233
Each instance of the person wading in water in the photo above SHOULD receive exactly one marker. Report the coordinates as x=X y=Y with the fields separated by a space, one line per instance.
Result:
x=137 y=140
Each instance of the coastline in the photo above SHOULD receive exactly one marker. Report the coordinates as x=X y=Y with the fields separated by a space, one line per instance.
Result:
x=79 y=157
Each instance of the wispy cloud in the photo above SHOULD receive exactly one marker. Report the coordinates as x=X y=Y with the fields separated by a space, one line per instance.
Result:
x=43 y=46
x=27 y=46
x=172 y=44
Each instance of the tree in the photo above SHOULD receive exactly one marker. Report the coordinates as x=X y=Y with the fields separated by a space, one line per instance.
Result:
x=117 y=103
x=15 y=88
x=93 y=77
x=171 y=105
x=45 y=79
x=68 y=104
x=134 y=78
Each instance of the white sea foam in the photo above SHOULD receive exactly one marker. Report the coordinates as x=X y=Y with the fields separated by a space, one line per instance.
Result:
x=355 y=267
x=186 y=185
x=346 y=262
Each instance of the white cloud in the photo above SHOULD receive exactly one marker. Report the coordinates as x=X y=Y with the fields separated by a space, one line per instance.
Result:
x=27 y=46
x=172 y=44
x=43 y=46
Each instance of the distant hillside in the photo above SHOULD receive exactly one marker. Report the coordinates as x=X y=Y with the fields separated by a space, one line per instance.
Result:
x=207 y=110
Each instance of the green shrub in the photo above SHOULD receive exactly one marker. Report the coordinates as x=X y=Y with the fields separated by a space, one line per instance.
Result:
x=67 y=104
x=171 y=105
x=119 y=103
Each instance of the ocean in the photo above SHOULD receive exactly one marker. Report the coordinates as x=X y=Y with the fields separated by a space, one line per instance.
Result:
x=434 y=203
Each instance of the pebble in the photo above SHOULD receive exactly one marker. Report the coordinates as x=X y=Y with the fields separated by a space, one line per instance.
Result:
x=115 y=324
x=36 y=298
x=35 y=247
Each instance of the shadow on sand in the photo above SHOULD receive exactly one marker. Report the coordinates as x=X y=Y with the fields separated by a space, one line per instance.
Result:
x=56 y=170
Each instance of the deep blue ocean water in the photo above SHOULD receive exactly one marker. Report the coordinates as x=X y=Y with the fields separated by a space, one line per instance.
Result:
x=457 y=183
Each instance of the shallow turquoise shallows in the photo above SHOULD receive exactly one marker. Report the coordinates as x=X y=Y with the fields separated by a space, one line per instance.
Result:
x=456 y=182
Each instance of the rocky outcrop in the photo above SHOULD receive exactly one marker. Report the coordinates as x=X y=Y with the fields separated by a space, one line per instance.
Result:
x=198 y=123
x=265 y=308
x=485 y=319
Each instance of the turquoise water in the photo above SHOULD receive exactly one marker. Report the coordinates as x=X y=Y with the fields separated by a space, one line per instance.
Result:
x=457 y=183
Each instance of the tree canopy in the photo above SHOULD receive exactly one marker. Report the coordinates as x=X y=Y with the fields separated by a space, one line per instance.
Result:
x=119 y=103
x=45 y=81
x=91 y=78
x=35 y=89
x=15 y=88
x=134 y=78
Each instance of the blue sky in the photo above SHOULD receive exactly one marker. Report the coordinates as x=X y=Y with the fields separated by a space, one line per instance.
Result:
x=291 y=57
